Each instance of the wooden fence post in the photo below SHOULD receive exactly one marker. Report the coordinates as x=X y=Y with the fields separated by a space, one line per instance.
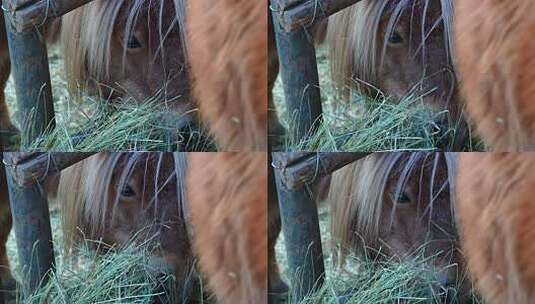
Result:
x=299 y=74
x=31 y=221
x=300 y=227
x=31 y=74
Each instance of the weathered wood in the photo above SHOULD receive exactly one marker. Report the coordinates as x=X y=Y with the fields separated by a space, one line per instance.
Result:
x=297 y=14
x=31 y=168
x=27 y=14
x=29 y=67
x=31 y=221
x=300 y=227
x=310 y=168
x=300 y=80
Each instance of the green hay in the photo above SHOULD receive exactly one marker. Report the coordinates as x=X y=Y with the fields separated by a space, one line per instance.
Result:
x=115 y=277
x=118 y=276
x=383 y=282
x=382 y=125
x=125 y=127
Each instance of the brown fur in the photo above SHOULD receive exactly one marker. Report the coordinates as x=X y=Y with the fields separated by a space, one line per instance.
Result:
x=495 y=56
x=228 y=47
x=230 y=223
x=497 y=223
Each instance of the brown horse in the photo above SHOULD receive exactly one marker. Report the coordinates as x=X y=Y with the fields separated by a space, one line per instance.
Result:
x=228 y=55
x=398 y=205
x=495 y=207
x=230 y=223
x=495 y=50
x=398 y=48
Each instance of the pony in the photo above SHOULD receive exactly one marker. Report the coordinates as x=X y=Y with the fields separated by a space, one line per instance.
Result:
x=493 y=42
x=124 y=198
x=122 y=51
x=398 y=205
x=227 y=46
x=495 y=210
x=398 y=48
x=230 y=223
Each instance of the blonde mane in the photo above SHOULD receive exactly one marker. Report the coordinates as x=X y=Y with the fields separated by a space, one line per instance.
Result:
x=356 y=195
x=84 y=191
x=87 y=32
x=353 y=39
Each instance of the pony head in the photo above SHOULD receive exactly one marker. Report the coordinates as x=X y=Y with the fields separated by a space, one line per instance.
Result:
x=397 y=48
x=120 y=199
x=398 y=205
x=133 y=49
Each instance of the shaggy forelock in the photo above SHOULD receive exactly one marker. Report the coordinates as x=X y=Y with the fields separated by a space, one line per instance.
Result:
x=89 y=186
x=357 y=192
x=87 y=33
x=353 y=38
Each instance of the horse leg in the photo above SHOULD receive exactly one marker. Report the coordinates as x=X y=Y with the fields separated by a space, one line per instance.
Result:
x=7 y=283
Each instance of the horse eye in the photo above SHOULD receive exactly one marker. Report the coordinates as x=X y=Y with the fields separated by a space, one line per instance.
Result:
x=395 y=38
x=128 y=191
x=133 y=43
x=404 y=199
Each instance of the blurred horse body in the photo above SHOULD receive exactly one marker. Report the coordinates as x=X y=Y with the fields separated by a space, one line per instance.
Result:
x=230 y=223
x=398 y=49
x=398 y=205
x=495 y=57
x=228 y=47
x=497 y=226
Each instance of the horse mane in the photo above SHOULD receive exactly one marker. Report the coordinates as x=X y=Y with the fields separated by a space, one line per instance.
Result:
x=86 y=35
x=85 y=191
x=353 y=40
x=356 y=195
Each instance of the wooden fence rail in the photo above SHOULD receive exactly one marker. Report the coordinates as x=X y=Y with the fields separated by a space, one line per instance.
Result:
x=296 y=14
x=27 y=14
